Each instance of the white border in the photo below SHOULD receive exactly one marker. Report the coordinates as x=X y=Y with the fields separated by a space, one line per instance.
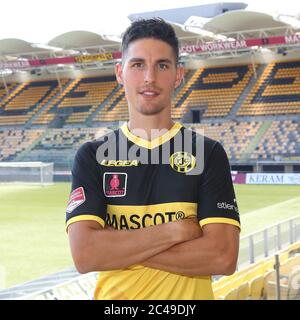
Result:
x=116 y=196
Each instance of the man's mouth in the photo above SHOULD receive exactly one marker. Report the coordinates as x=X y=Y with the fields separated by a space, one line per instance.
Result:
x=149 y=93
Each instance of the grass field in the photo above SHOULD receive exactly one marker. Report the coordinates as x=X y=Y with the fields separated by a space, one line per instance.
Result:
x=32 y=229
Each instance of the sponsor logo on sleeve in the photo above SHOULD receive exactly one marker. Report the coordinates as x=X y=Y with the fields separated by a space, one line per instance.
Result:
x=77 y=197
x=114 y=184
x=228 y=206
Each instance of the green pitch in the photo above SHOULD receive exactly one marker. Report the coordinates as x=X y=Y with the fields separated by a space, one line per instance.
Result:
x=33 y=238
x=32 y=224
x=264 y=205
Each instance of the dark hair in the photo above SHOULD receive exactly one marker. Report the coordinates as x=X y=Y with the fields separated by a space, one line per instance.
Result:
x=155 y=28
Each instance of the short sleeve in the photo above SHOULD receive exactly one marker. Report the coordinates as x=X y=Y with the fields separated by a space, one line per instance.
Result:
x=87 y=201
x=217 y=202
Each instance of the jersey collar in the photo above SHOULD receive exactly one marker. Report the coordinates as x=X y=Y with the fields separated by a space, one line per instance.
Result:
x=155 y=142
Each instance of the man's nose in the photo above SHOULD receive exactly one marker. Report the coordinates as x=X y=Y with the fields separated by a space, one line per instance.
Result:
x=149 y=75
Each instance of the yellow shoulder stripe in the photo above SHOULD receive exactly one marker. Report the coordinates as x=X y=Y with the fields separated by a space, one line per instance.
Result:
x=84 y=217
x=219 y=220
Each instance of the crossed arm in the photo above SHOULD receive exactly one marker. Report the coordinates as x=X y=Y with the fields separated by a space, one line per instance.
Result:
x=178 y=247
x=215 y=252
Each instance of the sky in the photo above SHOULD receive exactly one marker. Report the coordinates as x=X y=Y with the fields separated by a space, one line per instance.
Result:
x=39 y=21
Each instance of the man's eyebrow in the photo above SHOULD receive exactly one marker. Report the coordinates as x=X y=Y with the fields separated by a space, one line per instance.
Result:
x=163 y=60
x=136 y=60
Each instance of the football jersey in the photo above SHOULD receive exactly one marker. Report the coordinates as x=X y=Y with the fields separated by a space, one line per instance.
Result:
x=126 y=182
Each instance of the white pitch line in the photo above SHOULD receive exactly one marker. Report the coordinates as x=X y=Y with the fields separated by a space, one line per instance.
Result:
x=273 y=206
x=258 y=219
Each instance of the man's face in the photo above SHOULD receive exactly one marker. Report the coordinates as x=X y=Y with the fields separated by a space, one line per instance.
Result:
x=149 y=74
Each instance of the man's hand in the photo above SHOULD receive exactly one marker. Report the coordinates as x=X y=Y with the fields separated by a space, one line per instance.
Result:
x=187 y=229
x=98 y=249
x=215 y=252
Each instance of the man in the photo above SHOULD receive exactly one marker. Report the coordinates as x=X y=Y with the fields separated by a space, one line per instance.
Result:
x=153 y=230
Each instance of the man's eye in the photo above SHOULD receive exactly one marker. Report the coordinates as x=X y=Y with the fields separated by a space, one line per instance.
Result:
x=137 y=65
x=163 y=66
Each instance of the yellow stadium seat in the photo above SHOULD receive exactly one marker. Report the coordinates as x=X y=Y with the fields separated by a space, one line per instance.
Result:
x=231 y=295
x=243 y=291
x=294 y=285
x=256 y=287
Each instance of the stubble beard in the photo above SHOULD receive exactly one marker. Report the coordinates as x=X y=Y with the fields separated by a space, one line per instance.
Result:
x=149 y=111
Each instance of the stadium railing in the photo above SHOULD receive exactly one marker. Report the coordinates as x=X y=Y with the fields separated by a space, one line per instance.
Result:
x=276 y=277
x=265 y=242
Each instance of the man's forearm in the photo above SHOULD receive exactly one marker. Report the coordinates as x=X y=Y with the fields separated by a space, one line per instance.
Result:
x=184 y=259
x=200 y=257
x=97 y=249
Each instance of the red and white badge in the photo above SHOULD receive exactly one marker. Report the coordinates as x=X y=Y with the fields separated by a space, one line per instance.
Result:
x=77 y=197
x=115 y=184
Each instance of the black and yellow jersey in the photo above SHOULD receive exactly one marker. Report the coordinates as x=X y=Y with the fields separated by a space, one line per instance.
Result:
x=128 y=183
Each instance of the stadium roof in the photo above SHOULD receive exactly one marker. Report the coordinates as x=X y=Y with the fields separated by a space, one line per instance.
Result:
x=186 y=36
x=17 y=46
x=83 y=39
x=204 y=23
x=79 y=41
x=180 y=15
x=242 y=21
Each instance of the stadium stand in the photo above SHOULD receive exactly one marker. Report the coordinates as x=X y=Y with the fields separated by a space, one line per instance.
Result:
x=276 y=92
x=43 y=116
x=116 y=108
x=20 y=105
x=256 y=287
x=59 y=145
x=289 y=280
x=234 y=136
x=79 y=99
x=69 y=138
x=183 y=89
x=13 y=142
x=214 y=89
x=86 y=96
x=282 y=139
x=4 y=91
x=257 y=281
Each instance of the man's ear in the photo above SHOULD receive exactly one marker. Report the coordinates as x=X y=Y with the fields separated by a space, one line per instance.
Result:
x=179 y=76
x=119 y=73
